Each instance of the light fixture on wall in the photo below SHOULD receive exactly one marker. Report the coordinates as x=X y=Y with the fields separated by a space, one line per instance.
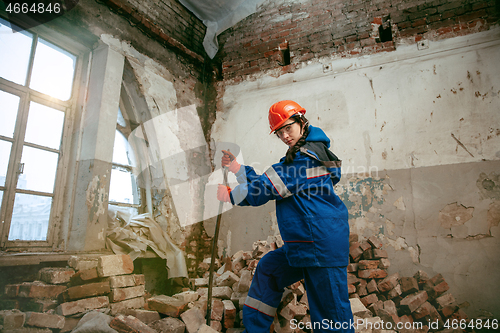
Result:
x=284 y=54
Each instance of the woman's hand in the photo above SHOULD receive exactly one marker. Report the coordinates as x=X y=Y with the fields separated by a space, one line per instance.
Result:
x=229 y=160
x=223 y=193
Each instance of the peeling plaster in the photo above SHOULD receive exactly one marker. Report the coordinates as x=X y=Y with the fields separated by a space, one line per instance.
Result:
x=454 y=215
x=493 y=216
x=399 y=204
x=361 y=194
x=97 y=198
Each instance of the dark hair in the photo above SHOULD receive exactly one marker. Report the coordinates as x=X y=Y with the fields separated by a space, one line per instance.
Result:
x=292 y=151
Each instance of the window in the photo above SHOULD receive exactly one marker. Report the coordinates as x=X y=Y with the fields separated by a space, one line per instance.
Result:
x=123 y=189
x=36 y=94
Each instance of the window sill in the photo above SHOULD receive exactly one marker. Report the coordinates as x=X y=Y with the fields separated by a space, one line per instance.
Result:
x=36 y=258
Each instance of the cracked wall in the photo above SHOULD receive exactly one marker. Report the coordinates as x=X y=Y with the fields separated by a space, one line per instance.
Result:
x=420 y=154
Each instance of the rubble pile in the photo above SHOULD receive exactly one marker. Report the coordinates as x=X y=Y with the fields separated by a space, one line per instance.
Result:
x=376 y=296
x=103 y=294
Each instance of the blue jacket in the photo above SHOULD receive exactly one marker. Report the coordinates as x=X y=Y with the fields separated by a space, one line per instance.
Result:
x=312 y=219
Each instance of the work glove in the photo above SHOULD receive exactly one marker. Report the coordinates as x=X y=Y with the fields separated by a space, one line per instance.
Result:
x=223 y=192
x=229 y=160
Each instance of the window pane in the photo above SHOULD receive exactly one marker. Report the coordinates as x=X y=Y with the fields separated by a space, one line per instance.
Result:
x=122 y=151
x=30 y=218
x=15 y=49
x=45 y=126
x=39 y=170
x=9 y=104
x=122 y=187
x=4 y=160
x=53 y=70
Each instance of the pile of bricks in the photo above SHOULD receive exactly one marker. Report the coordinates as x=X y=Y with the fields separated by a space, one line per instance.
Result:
x=64 y=298
x=397 y=299
x=92 y=292
x=374 y=294
x=63 y=295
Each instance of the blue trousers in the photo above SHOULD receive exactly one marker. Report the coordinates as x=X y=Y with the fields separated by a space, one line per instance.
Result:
x=326 y=293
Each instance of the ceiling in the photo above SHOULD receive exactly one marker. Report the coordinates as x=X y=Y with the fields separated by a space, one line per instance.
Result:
x=219 y=15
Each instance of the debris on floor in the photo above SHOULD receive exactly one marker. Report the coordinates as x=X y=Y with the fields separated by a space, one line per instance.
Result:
x=102 y=294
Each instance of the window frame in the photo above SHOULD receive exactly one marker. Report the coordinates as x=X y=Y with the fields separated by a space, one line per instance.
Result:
x=127 y=109
x=69 y=107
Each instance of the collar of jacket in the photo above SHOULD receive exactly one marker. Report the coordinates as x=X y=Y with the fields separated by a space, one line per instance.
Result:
x=316 y=134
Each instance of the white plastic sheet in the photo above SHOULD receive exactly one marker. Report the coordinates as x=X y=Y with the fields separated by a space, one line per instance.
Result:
x=219 y=15
x=133 y=235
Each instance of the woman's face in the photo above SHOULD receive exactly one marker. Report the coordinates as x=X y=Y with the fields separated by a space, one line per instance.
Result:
x=290 y=132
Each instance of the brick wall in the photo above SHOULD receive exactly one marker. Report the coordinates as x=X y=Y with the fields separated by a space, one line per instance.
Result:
x=319 y=28
x=167 y=21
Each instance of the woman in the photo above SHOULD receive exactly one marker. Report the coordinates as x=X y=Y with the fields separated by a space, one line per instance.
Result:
x=312 y=219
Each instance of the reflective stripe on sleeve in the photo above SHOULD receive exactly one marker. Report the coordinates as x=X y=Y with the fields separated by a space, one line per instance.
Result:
x=277 y=183
x=317 y=172
x=260 y=306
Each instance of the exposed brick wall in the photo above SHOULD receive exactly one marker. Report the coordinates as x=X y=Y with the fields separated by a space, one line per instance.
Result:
x=197 y=246
x=319 y=28
x=167 y=21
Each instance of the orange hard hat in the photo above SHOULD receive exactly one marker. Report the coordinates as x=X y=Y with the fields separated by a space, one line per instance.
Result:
x=281 y=111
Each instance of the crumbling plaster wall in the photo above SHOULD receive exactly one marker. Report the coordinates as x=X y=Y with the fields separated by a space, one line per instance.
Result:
x=418 y=134
x=167 y=81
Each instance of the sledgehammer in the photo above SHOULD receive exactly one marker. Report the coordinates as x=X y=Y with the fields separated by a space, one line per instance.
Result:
x=212 y=260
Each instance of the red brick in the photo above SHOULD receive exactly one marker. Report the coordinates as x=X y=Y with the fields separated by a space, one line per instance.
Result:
x=375 y=242
x=39 y=289
x=82 y=263
x=12 y=319
x=472 y=16
x=126 y=305
x=121 y=294
x=409 y=285
x=367 y=300
x=355 y=251
x=365 y=246
x=372 y=274
x=85 y=276
x=351 y=288
x=422 y=311
x=292 y=311
x=368 y=264
x=122 y=281
x=115 y=265
x=169 y=324
x=44 y=320
x=412 y=302
x=229 y=314
x=361 y=290
x=193 y=319
x=217 y=309
x=129 y=324
x=418 y=23
x=371 y=287
x=87 y=290
x=82 y=305
x=145 y=316
x=167 y=305
x=395 y=292
x=56 y=275
x=379 y=253
x=353 y=267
